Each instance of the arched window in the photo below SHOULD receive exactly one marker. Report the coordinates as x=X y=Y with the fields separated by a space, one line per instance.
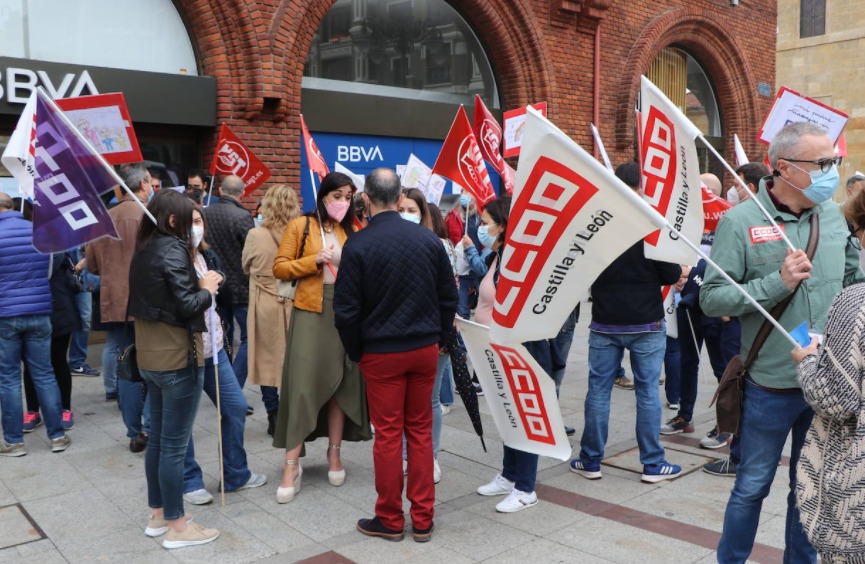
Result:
x=142 y=36
x=396 y=48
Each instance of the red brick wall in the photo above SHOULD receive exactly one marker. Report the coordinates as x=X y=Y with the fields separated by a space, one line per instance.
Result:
x=539 y=49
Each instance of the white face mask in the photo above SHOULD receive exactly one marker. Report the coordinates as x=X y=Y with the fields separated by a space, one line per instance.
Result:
x=733 y=195
x=410 y=217
x=197 y=235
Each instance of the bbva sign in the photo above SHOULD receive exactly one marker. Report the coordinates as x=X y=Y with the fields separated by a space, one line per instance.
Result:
x=16 y=84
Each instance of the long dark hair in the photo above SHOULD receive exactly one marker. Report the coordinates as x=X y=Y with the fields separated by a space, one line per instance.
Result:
x=438 y=224
x=418 y=198
x=165 y=204
x=334 y=181
x=499 y=210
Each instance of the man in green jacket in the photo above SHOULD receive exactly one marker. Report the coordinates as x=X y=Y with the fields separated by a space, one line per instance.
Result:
x=755 y=255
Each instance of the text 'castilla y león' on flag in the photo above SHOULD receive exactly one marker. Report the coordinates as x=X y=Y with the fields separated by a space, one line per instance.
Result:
x=570 y=218
x=232 y=156
x=670 y=175
x=62 y=174
x=461 y=161
x=521 y=396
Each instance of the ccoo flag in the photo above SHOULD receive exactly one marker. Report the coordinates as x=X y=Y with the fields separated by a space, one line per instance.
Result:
x=570 y=218
x=489 y=135
x=521 y=396
x=461 y=161
x=671 y=175
x=232 y=156
x=314 y=159
x=741 y=157
x=67 y=179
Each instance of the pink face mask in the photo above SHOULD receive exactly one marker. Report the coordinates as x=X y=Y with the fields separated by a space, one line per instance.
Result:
x=337 y=210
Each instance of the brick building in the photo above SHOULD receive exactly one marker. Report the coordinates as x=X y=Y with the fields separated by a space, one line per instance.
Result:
x=379 y=79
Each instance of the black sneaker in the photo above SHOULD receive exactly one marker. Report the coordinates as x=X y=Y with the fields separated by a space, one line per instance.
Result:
x=724 y=467
x=422 y=535
x=570 y=431
x=374 y=528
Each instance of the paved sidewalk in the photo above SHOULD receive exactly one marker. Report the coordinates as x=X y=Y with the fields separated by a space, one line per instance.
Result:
x=89 y=504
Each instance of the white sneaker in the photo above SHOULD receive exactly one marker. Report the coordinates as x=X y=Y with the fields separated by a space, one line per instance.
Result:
x=198 y=497
x=499 y=486
x=437 y=472
x=517 y=501
x=446 y=409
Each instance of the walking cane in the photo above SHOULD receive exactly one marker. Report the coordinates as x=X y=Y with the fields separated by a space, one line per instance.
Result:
x=213 y=321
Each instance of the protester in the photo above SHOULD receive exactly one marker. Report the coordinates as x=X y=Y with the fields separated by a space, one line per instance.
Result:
x=391 y=318
x=712 y=182
x=110 y=259
x=65 y=320
x=196 y=186
x=323 y=394
x=232 y=403
x=229 y=222
x=457 y=230
x=269 y=313
x=446 y=394
x=25 y=333
x=627 y=313
x=805 y=178
x=168 y=303
x=155 y=179
x=84 y=302
x=750 y=174
x=855 y=184
x=361 y=210
x=412 y=207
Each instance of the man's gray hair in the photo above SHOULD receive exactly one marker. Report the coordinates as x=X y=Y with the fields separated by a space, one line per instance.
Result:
x=854 y=179
x=383 y=187
x=133 y=174
x=786 y=141
x=232 y=186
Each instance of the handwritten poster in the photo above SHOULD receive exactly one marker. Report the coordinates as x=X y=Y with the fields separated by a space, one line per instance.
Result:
x=791 y=107
x=514 y=121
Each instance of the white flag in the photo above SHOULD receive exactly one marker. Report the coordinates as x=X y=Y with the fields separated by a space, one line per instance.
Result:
x=670 y=311
x=570 y=218
x=671 y=175
x=358 y=179
x=741 y=157
x=521 y=396
x=19 y=158
x=601 y=149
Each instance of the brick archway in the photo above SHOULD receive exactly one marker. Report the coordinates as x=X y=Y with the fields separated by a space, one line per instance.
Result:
x=717 y=52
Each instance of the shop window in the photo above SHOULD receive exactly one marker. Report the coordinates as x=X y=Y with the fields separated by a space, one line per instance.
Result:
x=812 y=18
x=143 y=36
x=397 y=47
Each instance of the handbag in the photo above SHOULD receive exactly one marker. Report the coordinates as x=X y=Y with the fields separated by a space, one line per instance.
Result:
x=731 y=389
x=127 y=360
x=287 y=288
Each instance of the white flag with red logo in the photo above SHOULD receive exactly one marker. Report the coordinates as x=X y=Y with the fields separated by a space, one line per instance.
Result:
x=489 y=135
x=232 y=156
x=670 y=311
x=314 y=159
x=461 y=161
x=670 y=176
x=19 y=157
x=521 y=396
x=570 y=218
x=713 y=208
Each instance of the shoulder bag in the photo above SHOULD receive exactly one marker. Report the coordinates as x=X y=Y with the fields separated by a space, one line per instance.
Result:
x=287 y=288
x=728 y=396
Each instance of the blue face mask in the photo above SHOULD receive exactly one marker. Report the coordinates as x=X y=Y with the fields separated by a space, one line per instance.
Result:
x=823 y=185
x=465 y=200
x=486 y=239
x=410 y=217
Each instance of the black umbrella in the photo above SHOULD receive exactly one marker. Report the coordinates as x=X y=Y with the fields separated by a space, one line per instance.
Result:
x=463 y=382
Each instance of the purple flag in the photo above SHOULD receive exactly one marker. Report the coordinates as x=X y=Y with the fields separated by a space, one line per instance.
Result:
x=68 y=211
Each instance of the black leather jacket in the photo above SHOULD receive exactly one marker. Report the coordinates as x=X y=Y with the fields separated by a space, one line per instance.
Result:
x=163 y=285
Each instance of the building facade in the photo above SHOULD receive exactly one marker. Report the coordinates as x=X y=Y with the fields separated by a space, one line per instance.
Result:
x=377 y=80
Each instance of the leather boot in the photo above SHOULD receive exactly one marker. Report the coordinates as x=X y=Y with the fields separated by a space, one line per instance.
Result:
x=271 y=423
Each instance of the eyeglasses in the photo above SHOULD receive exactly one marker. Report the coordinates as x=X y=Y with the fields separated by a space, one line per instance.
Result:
x=824 y=164
x=853 y=239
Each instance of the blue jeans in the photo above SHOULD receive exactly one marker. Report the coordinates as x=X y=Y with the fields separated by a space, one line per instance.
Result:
x=466 y=284
x=446 y=396
x=691 y=342
x=672 y=370
x=78 y=344
x=767 y=419
x=605 y=358
x=270 y=398
x=132 y=397
x=174 y=397
x=29 y=335
x=232 y=405
x=560 y=347
x=115 y=341
x=240 y=355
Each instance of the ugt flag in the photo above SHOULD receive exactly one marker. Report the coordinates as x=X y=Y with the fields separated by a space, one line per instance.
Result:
x=67 y=179
x=521 y=396
x=461 y=161
x=488 y=132
x=713 y=208
x=671 y=175
x=232 y=156
x=314 y=159
x=570 y=218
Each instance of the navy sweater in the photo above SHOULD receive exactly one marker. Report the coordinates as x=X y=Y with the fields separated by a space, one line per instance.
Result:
x=395 y=289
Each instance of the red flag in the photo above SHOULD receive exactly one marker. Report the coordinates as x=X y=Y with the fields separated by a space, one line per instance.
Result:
x=313 y=156
x=233 y=157
x=489 y=135
x=841 y=146
x=713 y=208
x=461 y=161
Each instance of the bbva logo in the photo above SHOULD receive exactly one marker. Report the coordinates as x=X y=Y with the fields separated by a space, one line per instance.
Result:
x=358 y=153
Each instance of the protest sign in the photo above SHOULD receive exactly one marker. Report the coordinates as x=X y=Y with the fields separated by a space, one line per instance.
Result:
x=515 y=121
x=104 y=120
x=790 y=107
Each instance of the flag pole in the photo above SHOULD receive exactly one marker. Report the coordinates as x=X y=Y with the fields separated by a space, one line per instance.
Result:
x=696 y=344
x=210 y=190
x=748 y=190
x=213 y=321
x=99 y=156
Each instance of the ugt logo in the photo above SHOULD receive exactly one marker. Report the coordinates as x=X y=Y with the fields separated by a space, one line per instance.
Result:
x=472 y=169
x=233 y=158
x=527 y=395
x=659 y=164
x=491 y=137
x=550 y=200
